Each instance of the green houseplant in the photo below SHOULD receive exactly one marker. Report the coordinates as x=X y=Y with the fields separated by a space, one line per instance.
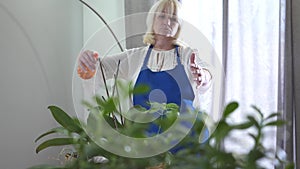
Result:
x=209 y=155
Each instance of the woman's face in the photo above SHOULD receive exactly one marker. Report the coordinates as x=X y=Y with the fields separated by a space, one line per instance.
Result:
x=165 y=24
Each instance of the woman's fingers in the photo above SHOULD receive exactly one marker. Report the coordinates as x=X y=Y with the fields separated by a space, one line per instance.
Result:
x=91 y=57
x=88 y=60
x=192 y=58
x=87 y=64
x=197 y=71
x=198 y=77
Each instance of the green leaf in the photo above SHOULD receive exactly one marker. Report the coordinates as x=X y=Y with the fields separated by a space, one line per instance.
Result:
x=55 y=142
x=258 y=111
x=272 y=115
x=276 y=123
x=54 y=130
x=109 y=106
x=137 y=109
x=77 y=122
x=87 y=104
x=111 y=121
x=221 y=131
x=243 y=125
x=231 y=107
x=99 y=100
x=255 y=155
x=93 y=149
x=253 y=136
x=172 y=107
x=165 y=121
x=253 y=120
x=46 y=167
x=290 y=166
x=65 y=120
x=106 y=105
x=141 y=89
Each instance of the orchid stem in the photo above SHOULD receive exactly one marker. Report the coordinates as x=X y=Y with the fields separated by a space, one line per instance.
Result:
x=105 y=84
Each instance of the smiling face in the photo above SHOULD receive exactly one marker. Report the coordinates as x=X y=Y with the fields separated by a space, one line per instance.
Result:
x=166 y=22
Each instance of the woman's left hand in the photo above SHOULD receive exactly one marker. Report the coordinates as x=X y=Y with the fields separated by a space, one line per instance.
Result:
x=200 y=75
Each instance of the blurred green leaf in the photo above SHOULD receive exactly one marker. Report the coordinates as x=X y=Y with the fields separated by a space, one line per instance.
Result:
x=92 y=149
x=111 y=121
x=221 y=131
x=253 y=120
x=231 y=107
x=245 y=125
x=77 y=122
x=141 y=89
x=106 y=106
x=276 y=123
x=258 y=111
x=93 y=119
x=168 y=114
x=134 y=129
x=87 y=104
x=290 y=166
x=166 y=120
x=137 y=110
x=253 y=156
x=54 y=130
x=172 y=107
x=99 y=100
x=272 y=115
x=109 y=106
x=65 y=120
x=252 y=136
x=55 y=142
x=47 y=167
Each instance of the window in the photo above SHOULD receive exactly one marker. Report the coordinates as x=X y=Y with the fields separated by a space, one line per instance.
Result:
x=252 y=55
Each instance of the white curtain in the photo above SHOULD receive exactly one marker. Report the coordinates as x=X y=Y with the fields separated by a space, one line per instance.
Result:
x=252 y=59
x=250 y=39
x=252 y=64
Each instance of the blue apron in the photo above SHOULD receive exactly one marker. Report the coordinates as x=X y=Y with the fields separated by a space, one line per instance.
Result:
x=170 y=86
x=173 y=83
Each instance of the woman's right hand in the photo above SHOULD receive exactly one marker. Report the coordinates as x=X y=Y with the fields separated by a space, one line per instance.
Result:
x=87 y=64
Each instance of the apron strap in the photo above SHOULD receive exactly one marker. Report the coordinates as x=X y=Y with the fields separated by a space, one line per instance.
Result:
x=178 y=56
x=147 y=57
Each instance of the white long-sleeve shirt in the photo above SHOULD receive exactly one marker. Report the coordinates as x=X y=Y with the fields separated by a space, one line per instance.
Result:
x=131 y=62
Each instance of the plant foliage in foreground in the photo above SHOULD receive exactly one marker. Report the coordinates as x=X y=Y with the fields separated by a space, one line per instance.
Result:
x=207 y=155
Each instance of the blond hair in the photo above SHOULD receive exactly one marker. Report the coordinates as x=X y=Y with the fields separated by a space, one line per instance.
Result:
x=157 y=8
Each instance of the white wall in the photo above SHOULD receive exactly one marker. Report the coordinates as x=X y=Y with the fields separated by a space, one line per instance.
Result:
x=95 y=34
x=39 y=41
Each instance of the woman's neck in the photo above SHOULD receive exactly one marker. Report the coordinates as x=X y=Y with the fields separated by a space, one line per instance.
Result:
x=163 y=43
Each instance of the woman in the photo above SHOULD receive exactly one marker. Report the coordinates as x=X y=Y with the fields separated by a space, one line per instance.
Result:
x=173 y=72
